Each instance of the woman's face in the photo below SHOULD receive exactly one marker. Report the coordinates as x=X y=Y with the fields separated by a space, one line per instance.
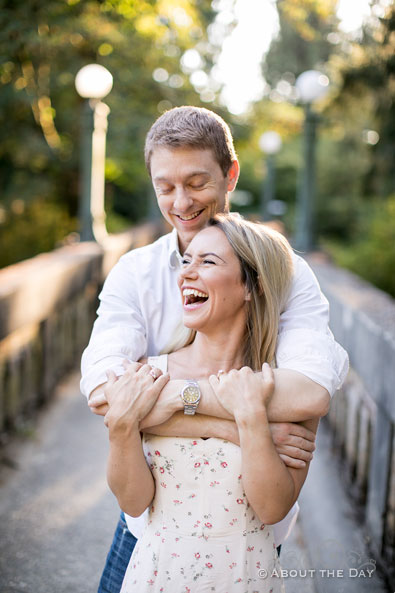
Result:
x=210 y=283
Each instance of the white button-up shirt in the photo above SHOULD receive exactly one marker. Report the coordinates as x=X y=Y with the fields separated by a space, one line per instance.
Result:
x=140 y=309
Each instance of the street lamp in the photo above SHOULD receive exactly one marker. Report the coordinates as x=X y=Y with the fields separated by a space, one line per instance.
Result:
x=311 y=85
x=93 y=83
x=270 y=143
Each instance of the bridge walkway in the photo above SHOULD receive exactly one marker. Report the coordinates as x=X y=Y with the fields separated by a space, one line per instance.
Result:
x=57 y=514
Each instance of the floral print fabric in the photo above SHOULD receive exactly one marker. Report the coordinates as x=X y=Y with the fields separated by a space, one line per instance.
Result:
x=202 y=535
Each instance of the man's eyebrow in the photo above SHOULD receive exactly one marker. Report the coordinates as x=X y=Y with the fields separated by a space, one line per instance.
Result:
x=203 y=255
x=196 y=173
x=192 y=174
x=161 y=179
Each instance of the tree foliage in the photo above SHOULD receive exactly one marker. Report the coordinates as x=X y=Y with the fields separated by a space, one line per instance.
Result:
x=303 y=42
x=353 y=209
x=372 y=253
x=367 y=79
x=42 y=47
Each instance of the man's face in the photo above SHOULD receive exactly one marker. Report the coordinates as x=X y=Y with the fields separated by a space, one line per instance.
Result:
x=190 y=188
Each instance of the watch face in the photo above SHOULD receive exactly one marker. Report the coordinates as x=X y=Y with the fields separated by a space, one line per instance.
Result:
x=190 y=394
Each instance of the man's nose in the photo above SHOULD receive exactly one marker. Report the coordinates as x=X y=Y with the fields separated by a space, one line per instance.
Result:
x=182 y=201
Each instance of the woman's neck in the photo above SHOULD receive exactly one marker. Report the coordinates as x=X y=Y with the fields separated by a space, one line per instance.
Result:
x=209 y=354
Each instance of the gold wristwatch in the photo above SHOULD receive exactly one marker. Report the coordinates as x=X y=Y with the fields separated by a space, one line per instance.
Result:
x=190 y=395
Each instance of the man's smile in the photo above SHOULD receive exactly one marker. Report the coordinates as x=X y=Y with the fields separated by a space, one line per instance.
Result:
x=190 y=217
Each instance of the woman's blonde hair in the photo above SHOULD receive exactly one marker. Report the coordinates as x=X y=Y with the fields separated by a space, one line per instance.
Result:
x=266 y=265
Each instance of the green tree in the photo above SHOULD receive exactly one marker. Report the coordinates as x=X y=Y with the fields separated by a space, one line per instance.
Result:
x=302 y=43
x=42 y=46
x=365 y=102
x=366 y=83
x=372 y=252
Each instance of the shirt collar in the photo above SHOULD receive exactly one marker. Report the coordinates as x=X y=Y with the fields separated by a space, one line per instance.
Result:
x=175 y=256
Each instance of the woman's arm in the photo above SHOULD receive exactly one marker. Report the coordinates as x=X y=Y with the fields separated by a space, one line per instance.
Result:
x=294 y=442
x=130 y=398
x=295 y=398
x=270 y=486
x=128 y=474
x=181 y=425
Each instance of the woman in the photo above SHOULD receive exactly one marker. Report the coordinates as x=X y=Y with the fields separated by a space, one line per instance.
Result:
x=211 y=501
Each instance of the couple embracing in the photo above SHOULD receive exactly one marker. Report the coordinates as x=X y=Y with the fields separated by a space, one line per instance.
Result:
x=211 y=422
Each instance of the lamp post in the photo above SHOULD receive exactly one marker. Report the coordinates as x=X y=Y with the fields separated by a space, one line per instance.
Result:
x=93 y=83
x=311 y=85
x=270 y=143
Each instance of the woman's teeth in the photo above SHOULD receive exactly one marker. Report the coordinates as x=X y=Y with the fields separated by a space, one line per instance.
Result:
x=191 y=295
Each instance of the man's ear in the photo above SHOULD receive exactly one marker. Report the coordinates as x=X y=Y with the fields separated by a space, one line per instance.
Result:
x=233 y=175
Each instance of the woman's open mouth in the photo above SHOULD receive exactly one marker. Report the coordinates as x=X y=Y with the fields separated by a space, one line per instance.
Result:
x=193 y=298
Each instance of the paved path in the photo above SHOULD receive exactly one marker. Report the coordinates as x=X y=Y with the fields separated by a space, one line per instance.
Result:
x=57 y=515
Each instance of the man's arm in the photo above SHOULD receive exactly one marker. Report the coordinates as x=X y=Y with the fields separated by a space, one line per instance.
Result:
x=295 y=399
x=119 y=330
x=305 y=344
x=294 y=442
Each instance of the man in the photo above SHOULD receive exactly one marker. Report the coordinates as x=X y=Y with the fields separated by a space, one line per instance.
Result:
x=190 y=157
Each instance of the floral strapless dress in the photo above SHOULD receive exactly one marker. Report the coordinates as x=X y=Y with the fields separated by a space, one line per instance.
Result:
x=202 y=535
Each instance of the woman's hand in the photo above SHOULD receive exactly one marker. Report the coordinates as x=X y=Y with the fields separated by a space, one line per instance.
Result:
x=131 y=397
x=97 y=401
x=244 y=393
x=165 y=406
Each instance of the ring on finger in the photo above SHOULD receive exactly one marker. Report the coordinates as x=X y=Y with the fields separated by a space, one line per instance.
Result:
x=220 y=372
x=153 y=374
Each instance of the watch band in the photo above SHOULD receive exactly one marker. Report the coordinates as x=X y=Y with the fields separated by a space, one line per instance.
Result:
x=190 y=396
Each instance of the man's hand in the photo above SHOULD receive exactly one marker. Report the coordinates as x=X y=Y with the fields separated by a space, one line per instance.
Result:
x=294 y=443
x=97 y=401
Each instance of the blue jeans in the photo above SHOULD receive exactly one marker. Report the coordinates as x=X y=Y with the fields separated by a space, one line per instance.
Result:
x=118 y=558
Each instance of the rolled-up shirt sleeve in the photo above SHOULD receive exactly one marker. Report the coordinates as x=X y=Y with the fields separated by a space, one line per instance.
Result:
x=305 y=343
x=119 y=331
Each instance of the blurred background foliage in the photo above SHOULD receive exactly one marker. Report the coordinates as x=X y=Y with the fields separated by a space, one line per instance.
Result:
x=144 y=44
